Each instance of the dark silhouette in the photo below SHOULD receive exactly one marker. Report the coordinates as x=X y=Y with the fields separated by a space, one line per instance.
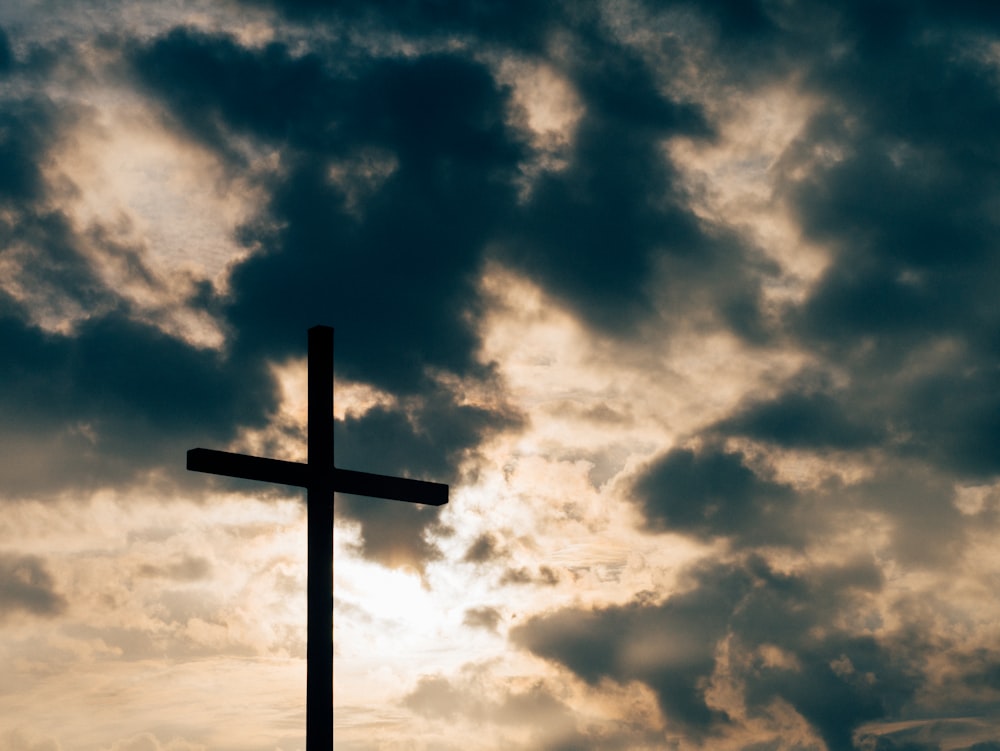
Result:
x=321 y=479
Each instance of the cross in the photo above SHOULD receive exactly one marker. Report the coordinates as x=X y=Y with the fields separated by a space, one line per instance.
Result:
x=321 y=479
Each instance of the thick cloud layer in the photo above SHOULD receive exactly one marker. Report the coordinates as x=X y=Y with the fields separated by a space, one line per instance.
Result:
x=422 y=142
x=400 y=177
x=904 y=206
x=108 y=398
x=400 y=153
x=711 y=493
x=893 y=175
x=782 y=644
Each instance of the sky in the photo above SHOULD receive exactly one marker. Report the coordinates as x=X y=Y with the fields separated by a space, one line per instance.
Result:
x=694 y=306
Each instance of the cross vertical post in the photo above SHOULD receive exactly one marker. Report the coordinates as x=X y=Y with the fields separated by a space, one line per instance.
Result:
x=319 y=512
x=321 y=478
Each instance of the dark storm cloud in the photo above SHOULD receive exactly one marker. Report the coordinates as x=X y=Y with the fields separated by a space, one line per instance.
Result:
x=27 y=126
x=834 y=678
x=6 y=55
x=400 y=263
x=27 y=586
x=597 y=233
x=953 y=416
x=217 y=89
x=837 y=685
x=402 y=273
x=112 y=397
x=711 y=493
x=896 y=174
x=668 y=647
x=113 y=400
x=401 y=279
x=803 y=419
x=519 y=23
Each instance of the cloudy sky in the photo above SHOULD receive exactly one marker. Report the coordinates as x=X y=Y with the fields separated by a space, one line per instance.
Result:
x=694 y=305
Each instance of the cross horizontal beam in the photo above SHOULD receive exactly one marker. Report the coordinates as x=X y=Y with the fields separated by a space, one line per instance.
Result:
x=297 y=474
x=248 y=467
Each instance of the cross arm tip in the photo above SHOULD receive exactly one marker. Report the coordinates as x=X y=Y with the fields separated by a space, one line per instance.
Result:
x=392 y=488
x=196 y=459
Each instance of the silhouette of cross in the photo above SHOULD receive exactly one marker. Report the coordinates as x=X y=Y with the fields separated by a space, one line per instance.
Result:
x=321 y=479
